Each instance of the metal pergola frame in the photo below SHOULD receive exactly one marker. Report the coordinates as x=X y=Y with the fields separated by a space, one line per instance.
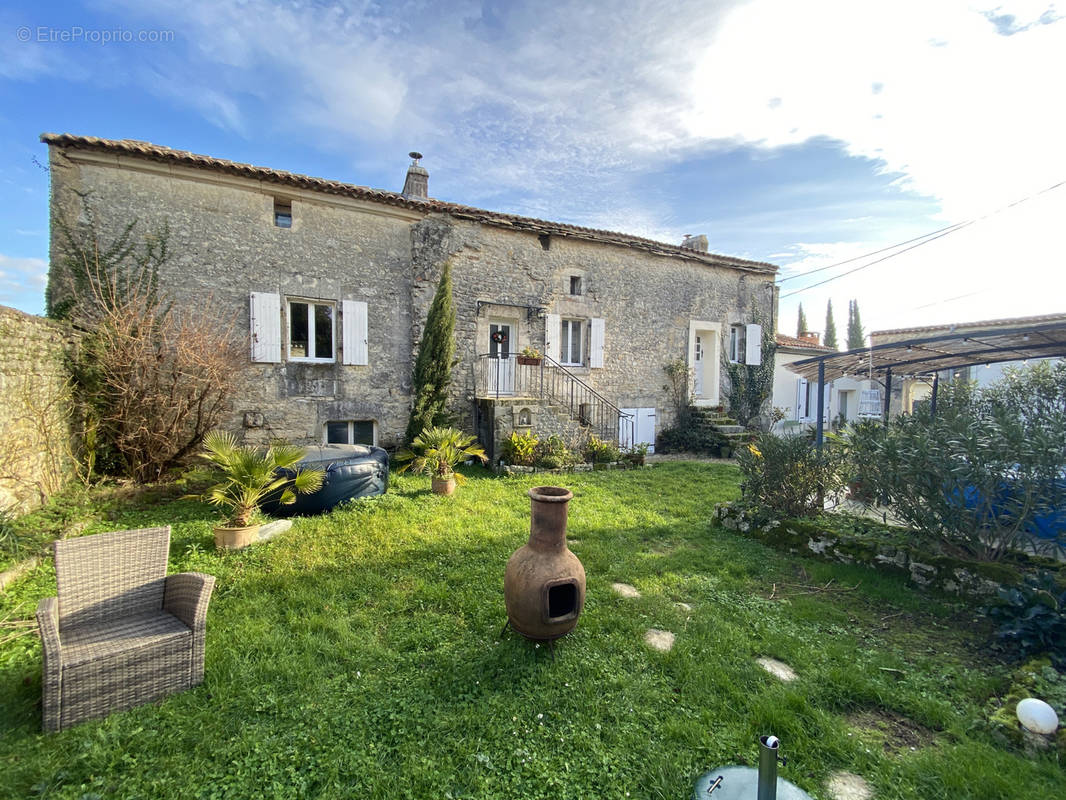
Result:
x=1011 y=340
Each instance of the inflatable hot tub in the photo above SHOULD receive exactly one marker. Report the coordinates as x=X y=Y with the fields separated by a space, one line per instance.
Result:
x=351 y=471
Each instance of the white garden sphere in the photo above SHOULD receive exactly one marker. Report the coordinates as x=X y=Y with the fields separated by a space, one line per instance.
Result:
x=1037 y=716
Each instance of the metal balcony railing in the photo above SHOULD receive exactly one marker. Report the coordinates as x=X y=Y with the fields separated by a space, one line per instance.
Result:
x=549 y=380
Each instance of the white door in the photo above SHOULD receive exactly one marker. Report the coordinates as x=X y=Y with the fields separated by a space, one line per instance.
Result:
x=502 y=363
x=643 y=427
x=697 y=368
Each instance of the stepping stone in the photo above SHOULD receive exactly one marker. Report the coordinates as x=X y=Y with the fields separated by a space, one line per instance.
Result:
x=626 y=590
x=777 y=669
x=848 y=786
x=272 y=529
x=683 y=606
x=659 y=640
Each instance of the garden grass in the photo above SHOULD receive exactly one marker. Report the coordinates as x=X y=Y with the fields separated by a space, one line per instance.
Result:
x=359 y=655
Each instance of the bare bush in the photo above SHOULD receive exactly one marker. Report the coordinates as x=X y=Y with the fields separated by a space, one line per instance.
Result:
x=151 y=380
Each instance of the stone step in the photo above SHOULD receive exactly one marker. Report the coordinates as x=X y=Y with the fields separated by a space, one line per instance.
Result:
x=728 y=429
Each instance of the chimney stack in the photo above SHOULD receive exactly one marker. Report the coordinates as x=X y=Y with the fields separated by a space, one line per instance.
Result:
x=417 y=182
x=697 y=243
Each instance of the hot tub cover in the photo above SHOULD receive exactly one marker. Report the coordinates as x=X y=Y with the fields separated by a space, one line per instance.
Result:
x=352 y=471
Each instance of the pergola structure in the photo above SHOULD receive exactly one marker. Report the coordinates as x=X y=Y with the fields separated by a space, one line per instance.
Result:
x=907 y=356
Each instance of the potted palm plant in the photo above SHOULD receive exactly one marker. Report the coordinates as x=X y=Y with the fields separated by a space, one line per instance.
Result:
x=436 y=452
x=249 y=476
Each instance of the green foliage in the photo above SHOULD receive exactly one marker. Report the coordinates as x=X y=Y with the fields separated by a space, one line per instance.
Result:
x=11 y=544
x=690 y=438
x=1032 y=618
x=520 y=449
x=554 y=453
x=436 y=451
x=801 y=322
x=856 y=335
x=981 y=472
x=358 y=656
x=829 y=338
x=436 y=357
x=601 y=451
x=785 y=477
x=751 y=386
x=251 y=475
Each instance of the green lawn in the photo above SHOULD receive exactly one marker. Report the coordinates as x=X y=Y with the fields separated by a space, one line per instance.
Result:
x=358 y=656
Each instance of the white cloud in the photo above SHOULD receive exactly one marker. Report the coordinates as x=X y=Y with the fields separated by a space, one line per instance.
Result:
x=21 y=279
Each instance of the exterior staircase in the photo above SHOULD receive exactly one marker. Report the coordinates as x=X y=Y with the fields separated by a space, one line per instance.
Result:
x=707 y=420
x=554 y=384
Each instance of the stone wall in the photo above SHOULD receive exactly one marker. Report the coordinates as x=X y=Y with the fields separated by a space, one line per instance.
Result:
x=225 y=245
x=35 y=436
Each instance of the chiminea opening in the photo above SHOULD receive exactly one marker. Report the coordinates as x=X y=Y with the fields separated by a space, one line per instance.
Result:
x=561 y=601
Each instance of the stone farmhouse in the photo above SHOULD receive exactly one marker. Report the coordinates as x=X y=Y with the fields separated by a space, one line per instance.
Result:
x=330 y=282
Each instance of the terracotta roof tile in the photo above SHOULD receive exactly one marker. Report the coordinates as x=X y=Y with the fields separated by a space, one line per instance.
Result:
x=783 y=340
x=168 y=155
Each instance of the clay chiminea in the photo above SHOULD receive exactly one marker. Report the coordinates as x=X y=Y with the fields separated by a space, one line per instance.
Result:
x=544 y=585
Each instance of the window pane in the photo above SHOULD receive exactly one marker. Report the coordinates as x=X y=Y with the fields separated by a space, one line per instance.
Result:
x=363 y=432
x=323 y=332
x=575 y=284
x=564 y=339
x=337 y=433
x=575 y=342
x=298 y=339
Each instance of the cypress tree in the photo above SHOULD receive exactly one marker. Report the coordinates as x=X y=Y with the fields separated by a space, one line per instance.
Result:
x=801 y=322
x=856 y=335
x=829 y=339
x=436 y=357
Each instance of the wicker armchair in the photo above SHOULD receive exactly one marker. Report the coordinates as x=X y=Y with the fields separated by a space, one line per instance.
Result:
x=121 y=631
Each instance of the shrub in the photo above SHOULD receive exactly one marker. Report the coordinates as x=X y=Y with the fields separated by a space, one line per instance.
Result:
x=985 y=472
x=1033 y=618
x=520 y=449
x=784 y=476
x=436 y=358
x=553 y=453
x=688 y=439
x=599 y=451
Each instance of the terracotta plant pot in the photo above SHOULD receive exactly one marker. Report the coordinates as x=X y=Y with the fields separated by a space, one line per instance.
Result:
x=235 y=538
x=529 y=361
x=443 y=485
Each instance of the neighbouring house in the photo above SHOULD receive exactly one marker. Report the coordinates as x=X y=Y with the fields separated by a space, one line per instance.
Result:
x=847 y=398
x=911 y=389
x=330 y=283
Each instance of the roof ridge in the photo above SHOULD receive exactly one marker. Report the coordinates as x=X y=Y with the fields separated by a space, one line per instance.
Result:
x=137 y=147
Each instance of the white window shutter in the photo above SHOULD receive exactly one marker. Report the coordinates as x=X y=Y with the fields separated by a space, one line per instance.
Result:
x=753 y=345
x=552 y=329
x=354 y=333
x=266 y=327
x=801 y=398
x=596 y=337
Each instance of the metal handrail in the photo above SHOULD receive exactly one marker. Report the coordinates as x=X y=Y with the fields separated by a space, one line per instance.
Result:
x=574 y=393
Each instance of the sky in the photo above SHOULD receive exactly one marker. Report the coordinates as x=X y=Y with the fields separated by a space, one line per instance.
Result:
x=799 y=133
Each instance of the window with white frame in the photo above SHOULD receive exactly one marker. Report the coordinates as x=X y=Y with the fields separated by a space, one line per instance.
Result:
x=570 y=341
x=311 y=331
x=351 y=431
x=736 y=344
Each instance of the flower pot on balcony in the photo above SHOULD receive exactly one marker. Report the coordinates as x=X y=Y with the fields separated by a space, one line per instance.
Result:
x=529 y=361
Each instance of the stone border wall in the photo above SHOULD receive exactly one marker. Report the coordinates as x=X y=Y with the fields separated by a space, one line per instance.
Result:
x=974 y=580
x=35 y=409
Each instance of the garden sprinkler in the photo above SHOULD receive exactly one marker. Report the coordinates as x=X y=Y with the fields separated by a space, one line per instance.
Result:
x=747 y=783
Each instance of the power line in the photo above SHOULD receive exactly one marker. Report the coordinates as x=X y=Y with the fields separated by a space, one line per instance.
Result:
x=929 y=237
x=867 y=255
